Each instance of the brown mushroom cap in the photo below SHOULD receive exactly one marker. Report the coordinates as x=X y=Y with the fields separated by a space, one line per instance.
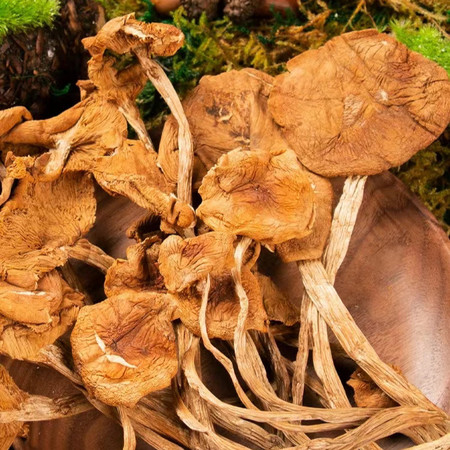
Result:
x=11 y=397
x=40 y=222
x=360 y=104
x=225 y=112
x=265 y=196
x=124 y=347
x=137 y=273
x=123 y=34
x=183 y=262
x=276 y=304
x=313 y=245
x=223 y=306
x=26 y=326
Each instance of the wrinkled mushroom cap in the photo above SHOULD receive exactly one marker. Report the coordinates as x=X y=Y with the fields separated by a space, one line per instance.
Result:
x=137 y=273
x=313 y=245
x=360 y=104
x=223 y=305
x=39 y=221
x=123 y=34
x=124 y=347
x=11 y=397
x=31 y=320
x=9 y=118
x=225 y=112
x=266 y=196
x=183 y=262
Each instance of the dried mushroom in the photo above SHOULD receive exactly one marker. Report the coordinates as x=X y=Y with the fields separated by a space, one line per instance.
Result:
x=225 y=112
x=183 y=262
x=9 y=118
x=186 y=263
x=266 y=196
x=139 y=272
x=223 y=306
x=124 y=347
x=40 y=223
x=10 y=398
x=277 y=305
x=366 y=393
x=31 y=320
x=312 y=246
x=124 y=34
x=360 y=104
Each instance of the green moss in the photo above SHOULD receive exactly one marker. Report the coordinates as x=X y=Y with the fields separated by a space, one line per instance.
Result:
x=426 y=40
x=21 y=15
x=426 y=174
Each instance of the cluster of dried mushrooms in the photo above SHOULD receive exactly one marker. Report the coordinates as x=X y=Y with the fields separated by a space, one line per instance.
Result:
x=259 y=151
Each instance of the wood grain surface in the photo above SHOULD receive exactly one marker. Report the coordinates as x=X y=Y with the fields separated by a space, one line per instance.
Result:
x=395 y=281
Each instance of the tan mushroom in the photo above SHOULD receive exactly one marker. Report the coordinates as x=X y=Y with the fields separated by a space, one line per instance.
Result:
x=41 y=223
x=265 y=196
x=186 y=263
x=33 y=319
x=139 y=272
x=225 y=112
x=124 y=35
x=313 y=245
x=366 y=393
x=276 y=304
x=360 y=104
x=183 y=262
x=11 y=397
x=124 y=347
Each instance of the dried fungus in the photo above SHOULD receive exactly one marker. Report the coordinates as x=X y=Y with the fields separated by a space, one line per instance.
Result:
x=266 y=196
x=361 y=104
x=124 y=347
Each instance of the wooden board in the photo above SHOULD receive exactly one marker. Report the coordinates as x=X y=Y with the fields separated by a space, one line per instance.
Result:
x=395 y=282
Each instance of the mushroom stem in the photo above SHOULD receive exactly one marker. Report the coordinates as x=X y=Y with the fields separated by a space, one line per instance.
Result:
x=90 y=254
x=157 y=76
x=129 y=436
x=37 y=408
x=313 y=330
x=131 y=114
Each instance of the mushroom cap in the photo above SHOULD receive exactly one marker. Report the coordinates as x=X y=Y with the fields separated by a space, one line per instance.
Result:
x=11 y=397
x=265 y=196
x=313 y=245
x=39 y=222
x=183 y=262
x=137 y=273
x=123 y=34
x=225 y=112
x=124 y=347
x=223 y=306
x=21 y=335
x=360 y=104
x=276 y=304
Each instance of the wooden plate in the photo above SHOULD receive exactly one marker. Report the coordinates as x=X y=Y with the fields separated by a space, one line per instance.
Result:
x=395 y=281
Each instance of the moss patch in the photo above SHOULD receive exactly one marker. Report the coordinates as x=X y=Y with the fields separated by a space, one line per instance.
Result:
x=21 y=15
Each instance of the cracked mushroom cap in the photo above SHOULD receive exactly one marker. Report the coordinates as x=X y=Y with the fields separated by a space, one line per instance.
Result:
x=124 y=347
x=266 y=196
x=11 y=397
x=183 y=262
x=33 y=319
x=360 y=104
x=123 y=34
x=39 y=224
x=225 y=112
